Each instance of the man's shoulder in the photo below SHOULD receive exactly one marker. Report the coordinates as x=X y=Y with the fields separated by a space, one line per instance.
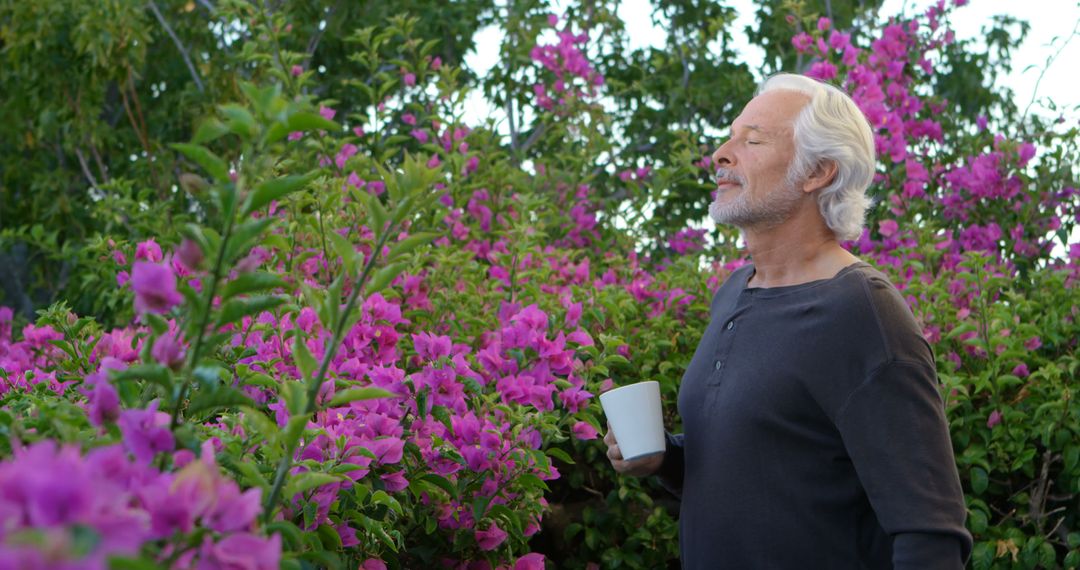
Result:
x=868 y=293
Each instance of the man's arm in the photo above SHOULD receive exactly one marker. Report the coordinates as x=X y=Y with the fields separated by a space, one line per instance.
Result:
x=894 y=429
x=671 y=470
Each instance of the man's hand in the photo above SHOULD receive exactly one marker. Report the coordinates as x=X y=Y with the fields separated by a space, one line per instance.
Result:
x=642 y=467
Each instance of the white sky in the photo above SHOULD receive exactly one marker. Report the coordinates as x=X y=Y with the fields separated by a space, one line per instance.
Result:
x=1053 y=22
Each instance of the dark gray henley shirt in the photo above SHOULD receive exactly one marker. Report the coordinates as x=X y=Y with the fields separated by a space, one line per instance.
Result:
x=814 y=434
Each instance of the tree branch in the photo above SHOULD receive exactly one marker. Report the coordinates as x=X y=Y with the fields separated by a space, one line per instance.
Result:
x=86 y=170
x=179 y=45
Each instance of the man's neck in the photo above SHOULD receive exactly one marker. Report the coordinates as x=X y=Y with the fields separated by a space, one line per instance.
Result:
x=798 y=251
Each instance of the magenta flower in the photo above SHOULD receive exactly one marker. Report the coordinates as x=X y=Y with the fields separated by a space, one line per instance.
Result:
x=373 y=564
x=296 y=70
x=531 y=561
x=146 y=432
x=155 y=288
x=584 y=430
x=189 y=254
x=994 y=419
x=395 y=481
x=241 y=552
x=410 y=79
x=327 y=113
x=491 y=538
x=168 y=351
x=104 y=404
x=1021 y=370
x=148 y=250
x=1033 y=343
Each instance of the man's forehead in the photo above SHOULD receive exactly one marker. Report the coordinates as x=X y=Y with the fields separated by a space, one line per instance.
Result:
x=771 y=112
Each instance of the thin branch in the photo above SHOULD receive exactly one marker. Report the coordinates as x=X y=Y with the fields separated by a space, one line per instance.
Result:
x=176 y=41
x=1049 y=62
x=86 y=170
x=208 y=6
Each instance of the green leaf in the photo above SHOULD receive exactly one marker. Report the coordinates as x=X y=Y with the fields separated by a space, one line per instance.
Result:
x=210 y=162
x=345 y=250
x=245 y=235
x=440 y=482
x=303 y=358
x=359 y=394
x=275 y=189
x=294 y=428
x=249 y=282
x=157 y=323
x=209 y=130
x=409 y=244
x=308 y=121
x=307 y=481
x=236 y=309
x=155 y=373
x=225 y=397
x=979 y=480
x=293 y=537
x=382 y=498
x=124 y=563
x=329 y=537
x=531 y=480
x=559 y=454
x=384 y=277
x=239 y=120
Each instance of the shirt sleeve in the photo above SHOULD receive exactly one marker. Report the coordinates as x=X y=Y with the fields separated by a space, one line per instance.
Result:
x=894 y=429
x=671 y=470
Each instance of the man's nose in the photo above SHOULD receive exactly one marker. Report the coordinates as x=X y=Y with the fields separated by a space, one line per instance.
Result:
x=721 y=156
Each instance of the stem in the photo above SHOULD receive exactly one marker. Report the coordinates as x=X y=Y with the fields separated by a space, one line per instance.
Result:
x=328 y=355
x=205 y=319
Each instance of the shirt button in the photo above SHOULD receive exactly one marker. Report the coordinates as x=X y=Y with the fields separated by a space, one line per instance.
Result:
x=730 y=325
x=719 y=364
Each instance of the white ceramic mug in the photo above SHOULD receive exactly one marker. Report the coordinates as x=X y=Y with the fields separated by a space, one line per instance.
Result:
x=636 y=418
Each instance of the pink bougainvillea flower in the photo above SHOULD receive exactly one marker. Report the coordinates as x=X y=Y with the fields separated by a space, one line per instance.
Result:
x=241 y=551
x=189 y=254
x=168 y=351
x=395 y=481
x=994 y=419
x=491 y=537
x=148 y=250
x=584 y=430
x=531 y=561
x=327 y=113
x=155 y=288
x=146 y=432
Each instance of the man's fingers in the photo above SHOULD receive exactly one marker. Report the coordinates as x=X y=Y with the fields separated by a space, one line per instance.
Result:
x=614 y=453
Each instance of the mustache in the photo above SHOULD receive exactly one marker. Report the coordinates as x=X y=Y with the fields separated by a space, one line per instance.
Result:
x=722 y=174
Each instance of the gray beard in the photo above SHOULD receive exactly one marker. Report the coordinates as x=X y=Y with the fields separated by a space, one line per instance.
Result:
x=747 y=211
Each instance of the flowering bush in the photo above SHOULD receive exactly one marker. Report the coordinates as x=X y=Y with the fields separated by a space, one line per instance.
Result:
x=370 y=334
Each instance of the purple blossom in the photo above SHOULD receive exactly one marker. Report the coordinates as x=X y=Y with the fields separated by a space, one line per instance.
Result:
x=241 y=551
x=491 y=537
x=148 y=250
x=168 y=351
x=155 y=288
x=146 y=432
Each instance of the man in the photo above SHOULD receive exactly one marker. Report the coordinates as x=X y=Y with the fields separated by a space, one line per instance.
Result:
x=814 y=433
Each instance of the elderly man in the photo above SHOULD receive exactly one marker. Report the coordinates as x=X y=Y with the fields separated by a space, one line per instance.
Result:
x=814 y=432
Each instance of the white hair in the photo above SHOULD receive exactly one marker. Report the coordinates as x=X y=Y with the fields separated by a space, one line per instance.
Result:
x=831 y=127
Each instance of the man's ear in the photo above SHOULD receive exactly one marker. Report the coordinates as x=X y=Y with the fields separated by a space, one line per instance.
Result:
x=821 y=176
